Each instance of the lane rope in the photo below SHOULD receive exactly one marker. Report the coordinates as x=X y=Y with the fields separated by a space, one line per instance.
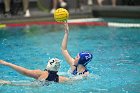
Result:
x=82 y=22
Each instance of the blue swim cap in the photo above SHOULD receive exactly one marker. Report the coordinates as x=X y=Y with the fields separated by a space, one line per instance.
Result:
x=85 y=58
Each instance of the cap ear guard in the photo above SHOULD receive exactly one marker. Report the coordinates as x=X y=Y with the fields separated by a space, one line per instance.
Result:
x=85 y=58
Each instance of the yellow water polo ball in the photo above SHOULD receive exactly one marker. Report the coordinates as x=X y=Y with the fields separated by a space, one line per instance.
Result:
x=61 y=15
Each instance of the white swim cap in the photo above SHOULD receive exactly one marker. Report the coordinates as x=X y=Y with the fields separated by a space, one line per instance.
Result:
x=53 y=64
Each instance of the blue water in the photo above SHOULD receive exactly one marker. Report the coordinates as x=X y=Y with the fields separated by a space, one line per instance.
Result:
x=115 y=67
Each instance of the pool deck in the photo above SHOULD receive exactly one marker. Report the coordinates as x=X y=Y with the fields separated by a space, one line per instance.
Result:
x=87 y=12
x=119 y=11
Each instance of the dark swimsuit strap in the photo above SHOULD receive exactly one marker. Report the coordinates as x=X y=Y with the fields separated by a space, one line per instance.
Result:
x=75 y=71
x=83 y=72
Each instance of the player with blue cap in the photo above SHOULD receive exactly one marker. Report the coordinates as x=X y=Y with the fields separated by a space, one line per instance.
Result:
x=85 y=58
x=77 y=64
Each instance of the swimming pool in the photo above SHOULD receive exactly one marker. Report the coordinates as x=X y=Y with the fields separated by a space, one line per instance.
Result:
x=116 y=57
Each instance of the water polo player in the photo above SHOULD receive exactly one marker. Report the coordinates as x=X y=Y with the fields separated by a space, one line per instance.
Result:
x=49 y=74
x=77 y=64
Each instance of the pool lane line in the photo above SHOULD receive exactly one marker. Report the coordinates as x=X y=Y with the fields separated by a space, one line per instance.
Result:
x=54 y=23
x=114 y=24
x=31 y=23
x=109 y=24
x=89 y=23
x=86 y=20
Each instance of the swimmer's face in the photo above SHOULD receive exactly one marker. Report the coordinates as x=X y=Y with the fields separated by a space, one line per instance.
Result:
x=76 y=59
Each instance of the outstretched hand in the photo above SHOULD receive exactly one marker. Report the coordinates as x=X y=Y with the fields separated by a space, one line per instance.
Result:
x=3 y=62
x=3 y=82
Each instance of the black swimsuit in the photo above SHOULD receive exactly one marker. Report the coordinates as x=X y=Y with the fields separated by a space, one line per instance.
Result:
x=52 y=76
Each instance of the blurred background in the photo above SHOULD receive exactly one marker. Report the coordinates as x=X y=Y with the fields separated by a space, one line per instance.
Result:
x=38 y=9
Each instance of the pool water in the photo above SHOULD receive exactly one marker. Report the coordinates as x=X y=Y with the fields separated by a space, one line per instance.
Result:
x=115 y=67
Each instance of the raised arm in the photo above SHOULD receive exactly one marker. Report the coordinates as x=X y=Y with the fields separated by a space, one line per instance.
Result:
x=31 y=73
x=65 y=52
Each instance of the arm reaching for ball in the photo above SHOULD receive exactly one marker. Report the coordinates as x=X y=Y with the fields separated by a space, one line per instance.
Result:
x=65 y=52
